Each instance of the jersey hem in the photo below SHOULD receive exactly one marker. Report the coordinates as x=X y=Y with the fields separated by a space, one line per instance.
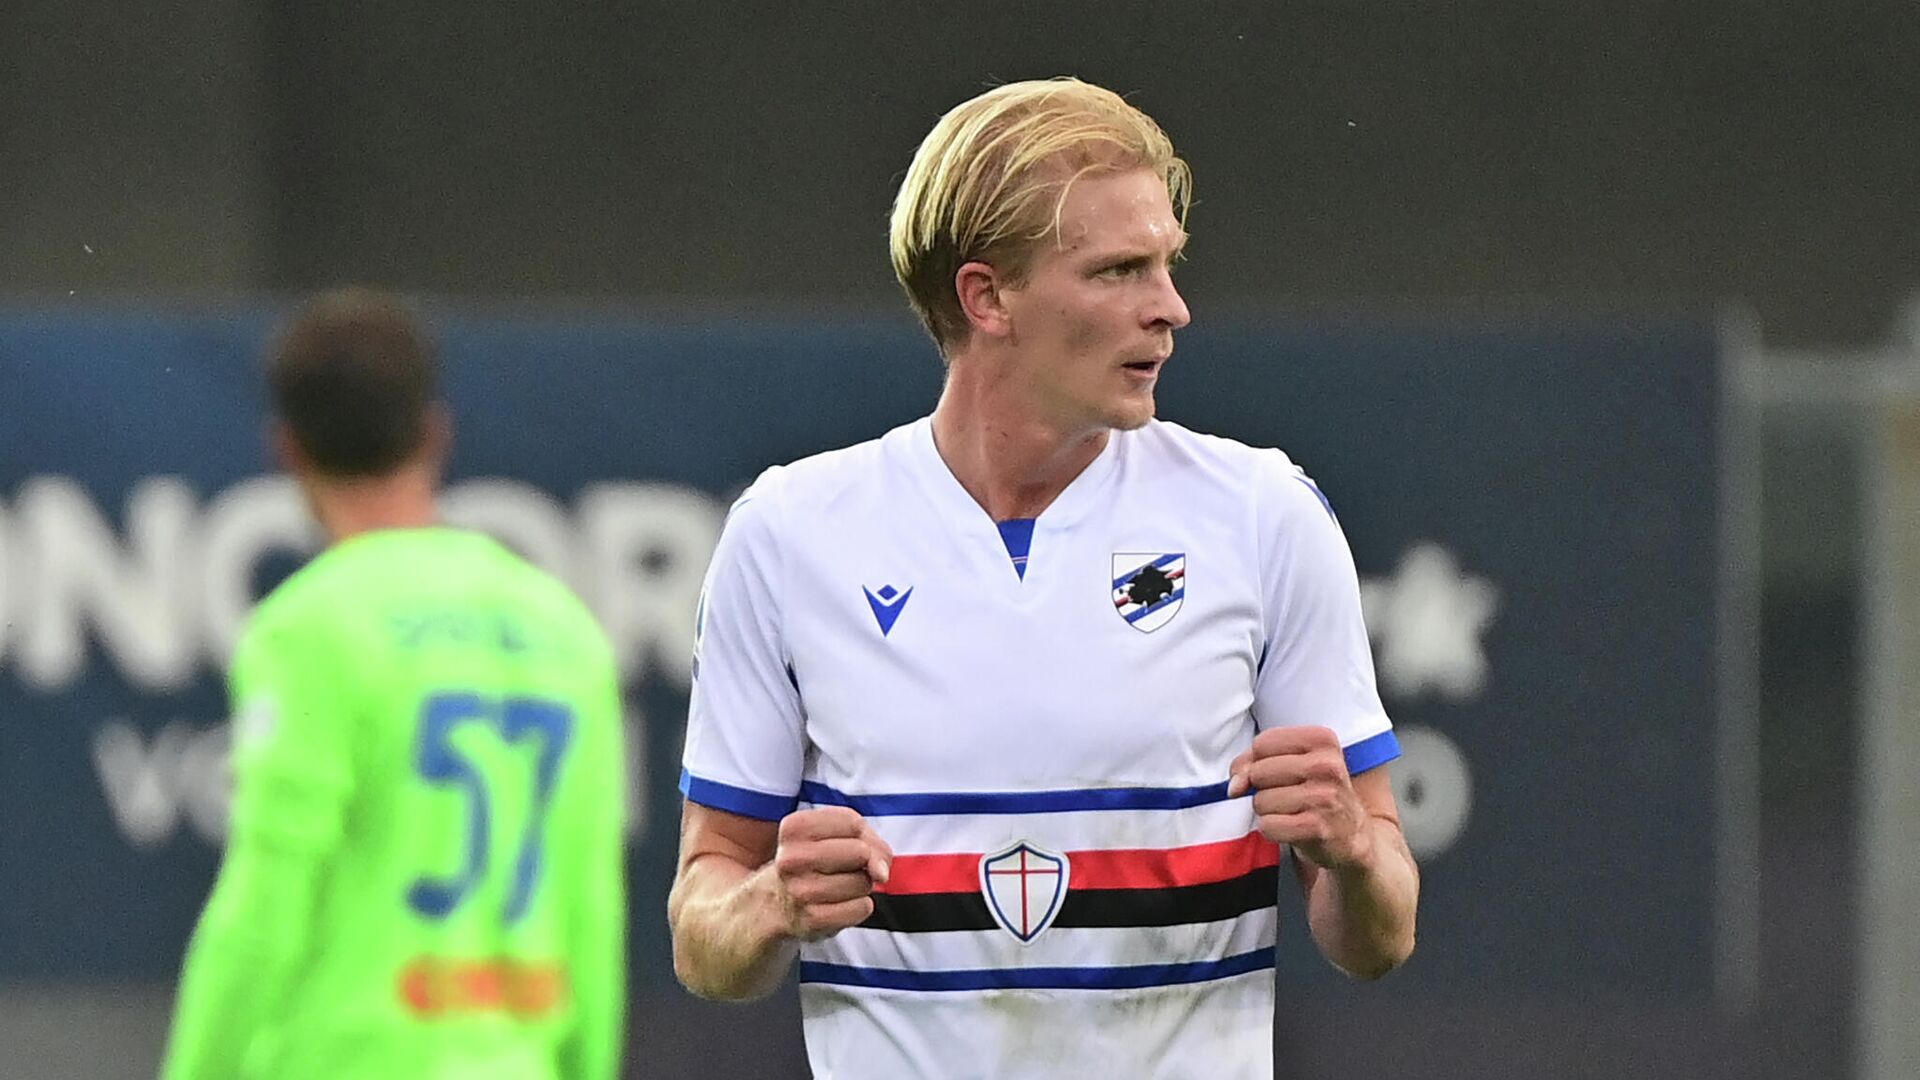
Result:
x=735 y=800
x=1372 y=752
x=1133 y=977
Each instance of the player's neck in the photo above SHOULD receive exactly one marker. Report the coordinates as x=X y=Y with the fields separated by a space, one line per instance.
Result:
x=349 y=506
x=1013 y=462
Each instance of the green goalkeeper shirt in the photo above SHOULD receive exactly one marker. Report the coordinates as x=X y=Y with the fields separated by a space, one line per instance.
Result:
x=423 y=875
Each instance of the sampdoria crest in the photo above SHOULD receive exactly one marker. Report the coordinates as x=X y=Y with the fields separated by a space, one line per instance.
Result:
x=1024 y=886
x=1148 y=589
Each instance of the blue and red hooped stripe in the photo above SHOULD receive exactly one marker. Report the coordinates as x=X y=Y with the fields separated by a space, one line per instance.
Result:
x=923 y=913
x=1137 y=868
x=1116 y=888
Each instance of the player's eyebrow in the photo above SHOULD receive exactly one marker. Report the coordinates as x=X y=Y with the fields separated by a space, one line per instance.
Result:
x=1143 y=254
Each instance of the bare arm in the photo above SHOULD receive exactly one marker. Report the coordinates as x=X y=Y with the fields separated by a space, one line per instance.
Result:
x=1360 y=881
x=1362 y=914
x=728 y=940
x=749 y=891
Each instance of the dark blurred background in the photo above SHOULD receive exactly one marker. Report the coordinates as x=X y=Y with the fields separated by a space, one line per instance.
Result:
x=1346 y=152
x=1755 y=159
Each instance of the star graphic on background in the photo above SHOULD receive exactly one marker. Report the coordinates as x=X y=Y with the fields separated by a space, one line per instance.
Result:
x=1426 y=621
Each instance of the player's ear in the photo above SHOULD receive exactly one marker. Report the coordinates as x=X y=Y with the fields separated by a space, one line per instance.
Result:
x=287 y=452
x=436 y=438
x=982 y=291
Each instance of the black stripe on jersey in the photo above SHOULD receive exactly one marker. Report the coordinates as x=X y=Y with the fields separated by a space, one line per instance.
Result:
x=1211 y=902
x=924 y=912
x=929 y=912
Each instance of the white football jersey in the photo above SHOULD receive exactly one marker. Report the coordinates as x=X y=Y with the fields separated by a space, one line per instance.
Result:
x=1046 y=751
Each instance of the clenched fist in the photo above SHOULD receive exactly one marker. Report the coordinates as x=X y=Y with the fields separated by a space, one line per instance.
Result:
x=1303 y=796
x=826 y=865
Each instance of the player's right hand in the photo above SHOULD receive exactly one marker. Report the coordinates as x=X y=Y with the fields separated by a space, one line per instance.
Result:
x=827 y=863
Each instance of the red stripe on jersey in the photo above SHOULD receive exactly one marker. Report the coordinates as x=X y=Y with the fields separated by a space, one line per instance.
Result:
x=911 y=875
x=1135 y=868
x=1200 y=864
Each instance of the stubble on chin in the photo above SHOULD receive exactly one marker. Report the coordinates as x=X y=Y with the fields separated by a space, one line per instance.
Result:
x=1131 y=416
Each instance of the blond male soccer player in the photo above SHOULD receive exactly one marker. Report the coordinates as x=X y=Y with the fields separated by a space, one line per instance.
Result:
x=424 y=873
x=1005 y=721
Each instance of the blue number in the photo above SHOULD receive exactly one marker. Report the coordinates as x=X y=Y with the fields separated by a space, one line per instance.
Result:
x=440 y=762
x=552 y=723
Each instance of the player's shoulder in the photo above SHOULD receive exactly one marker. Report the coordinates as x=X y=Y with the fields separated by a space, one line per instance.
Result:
x=353 y=580
x=1263 y=476
x=819 y=487
x=304 y=596
x=1228 y=462
x=1288 y=510
x=295 y=621
x=537 y=591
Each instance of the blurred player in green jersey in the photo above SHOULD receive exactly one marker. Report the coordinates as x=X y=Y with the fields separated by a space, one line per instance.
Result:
x=423 y=878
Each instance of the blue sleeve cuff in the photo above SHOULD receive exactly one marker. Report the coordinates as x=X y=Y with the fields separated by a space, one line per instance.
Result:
x=1372 y=751
x=737 y=800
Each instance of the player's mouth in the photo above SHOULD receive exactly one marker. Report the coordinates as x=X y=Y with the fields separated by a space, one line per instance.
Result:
x=1144 y=370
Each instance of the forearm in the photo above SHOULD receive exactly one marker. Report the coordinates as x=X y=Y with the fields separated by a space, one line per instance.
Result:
x=729 y=931
x=598 y=972
x=1362 y=916
x=238 y=964
x=218 y=1013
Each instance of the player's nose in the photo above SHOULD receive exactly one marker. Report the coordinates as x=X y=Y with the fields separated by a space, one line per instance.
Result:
x=1169 y=308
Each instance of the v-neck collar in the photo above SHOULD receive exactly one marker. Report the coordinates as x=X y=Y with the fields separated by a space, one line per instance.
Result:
x=1080 y=495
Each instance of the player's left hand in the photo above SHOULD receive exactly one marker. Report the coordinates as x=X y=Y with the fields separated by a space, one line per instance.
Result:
x=1303 y=795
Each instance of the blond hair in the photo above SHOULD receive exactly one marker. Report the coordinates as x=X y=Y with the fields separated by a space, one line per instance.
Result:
x=989 y=180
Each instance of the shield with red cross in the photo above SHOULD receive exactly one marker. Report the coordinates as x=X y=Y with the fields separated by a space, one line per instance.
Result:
x=1024 y=886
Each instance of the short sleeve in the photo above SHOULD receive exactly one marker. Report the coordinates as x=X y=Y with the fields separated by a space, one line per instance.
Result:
x=1317 y=665
x=746 y=742
x=293 y=733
